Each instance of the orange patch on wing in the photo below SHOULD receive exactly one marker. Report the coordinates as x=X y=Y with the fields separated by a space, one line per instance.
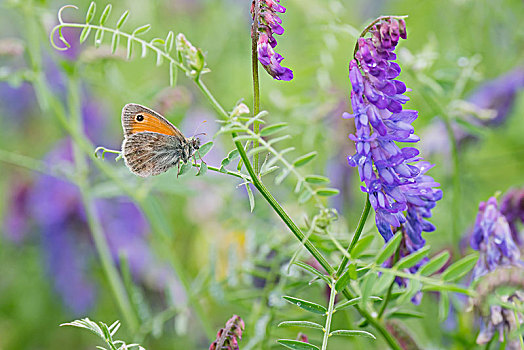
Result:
x=152 y=124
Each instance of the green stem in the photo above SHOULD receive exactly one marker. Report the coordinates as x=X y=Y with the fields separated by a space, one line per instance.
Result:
x=393 y=343
x=356 y=236
x=115 y=282
x=292 y=226
x=390 y=289
x=256 y=86
x=263 y=190
x=327 y=327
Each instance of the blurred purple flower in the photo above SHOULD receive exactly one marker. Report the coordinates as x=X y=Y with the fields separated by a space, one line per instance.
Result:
x=498 y=95
x=512 y=207
x=16 y=102
x=492 y=238
x=393 y=183
x=268 y=24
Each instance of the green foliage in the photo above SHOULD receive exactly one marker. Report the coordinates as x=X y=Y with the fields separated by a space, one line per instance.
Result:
x=225 y=254
x=105 y=332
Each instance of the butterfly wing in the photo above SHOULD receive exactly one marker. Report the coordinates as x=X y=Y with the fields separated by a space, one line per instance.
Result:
x=151 y=153
x=137 y=118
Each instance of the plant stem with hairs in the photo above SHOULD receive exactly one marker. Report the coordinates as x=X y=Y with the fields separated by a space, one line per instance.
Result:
x=356 y=236
x=256 y=84
x=291 y=224
x=329 y=315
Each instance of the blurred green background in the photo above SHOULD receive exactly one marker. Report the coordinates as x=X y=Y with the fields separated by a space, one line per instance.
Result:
x=233 y=261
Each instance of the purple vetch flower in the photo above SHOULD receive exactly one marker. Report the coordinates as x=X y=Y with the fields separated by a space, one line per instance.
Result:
x=491 y=236
x=268 y=24
x=512 y=207
x=228 y=337
x=394 y=177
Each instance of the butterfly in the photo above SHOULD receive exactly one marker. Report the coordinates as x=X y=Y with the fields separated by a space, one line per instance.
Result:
x=152 y=145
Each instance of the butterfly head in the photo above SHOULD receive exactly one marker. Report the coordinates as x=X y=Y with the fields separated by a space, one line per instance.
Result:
x=194 y=142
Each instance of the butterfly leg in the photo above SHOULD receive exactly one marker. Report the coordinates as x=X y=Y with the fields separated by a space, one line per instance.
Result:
x=199 y=156
x=178 y=172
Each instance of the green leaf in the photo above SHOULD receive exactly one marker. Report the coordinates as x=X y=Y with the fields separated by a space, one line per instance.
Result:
x=157 y=41
x=361 y=246
x=312 y=270
x=90 y=12
x=105 y=14
x=234 y=154
x=354 y=301
x=389 y=249
x=296 y=344
x=272 y=129
x=384 y=282
x=256 y=150
x=413 y=288
x=168 y=46
x=443 y=307
x=435 y=264
x=316 y=179
x=368 y=285
x=305 y=324
x=85 y=33
x=143 y=29
x=268 y=171
x=412 y=259
x=343 y=281
x=298 y=186
x=122 y=20
x=352 y=333
x=244 y=138
x=307 y=305
x=251 y=197
x=460 y=268
x=225 y=162
x=184 y=168
x=129 y=48
x=404 y=313
x=115 y=40
x=305 y=195
x=99 y=36
x=306 y=158
x=173 y=74
x=283 y=174
x=278 y=139
x=327 y=192
x=205 y=148
x=202 y=169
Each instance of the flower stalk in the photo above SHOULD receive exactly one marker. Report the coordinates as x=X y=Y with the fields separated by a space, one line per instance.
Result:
x=327 y=327
x=256 y=84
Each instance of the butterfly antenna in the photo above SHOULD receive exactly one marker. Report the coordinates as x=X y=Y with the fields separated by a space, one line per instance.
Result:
x=198 y=127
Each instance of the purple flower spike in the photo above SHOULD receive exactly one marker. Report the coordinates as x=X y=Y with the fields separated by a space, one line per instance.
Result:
x=512 y=207
x=228 y=337
x=492 y=238
x=268 y=24
x=394 y=177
